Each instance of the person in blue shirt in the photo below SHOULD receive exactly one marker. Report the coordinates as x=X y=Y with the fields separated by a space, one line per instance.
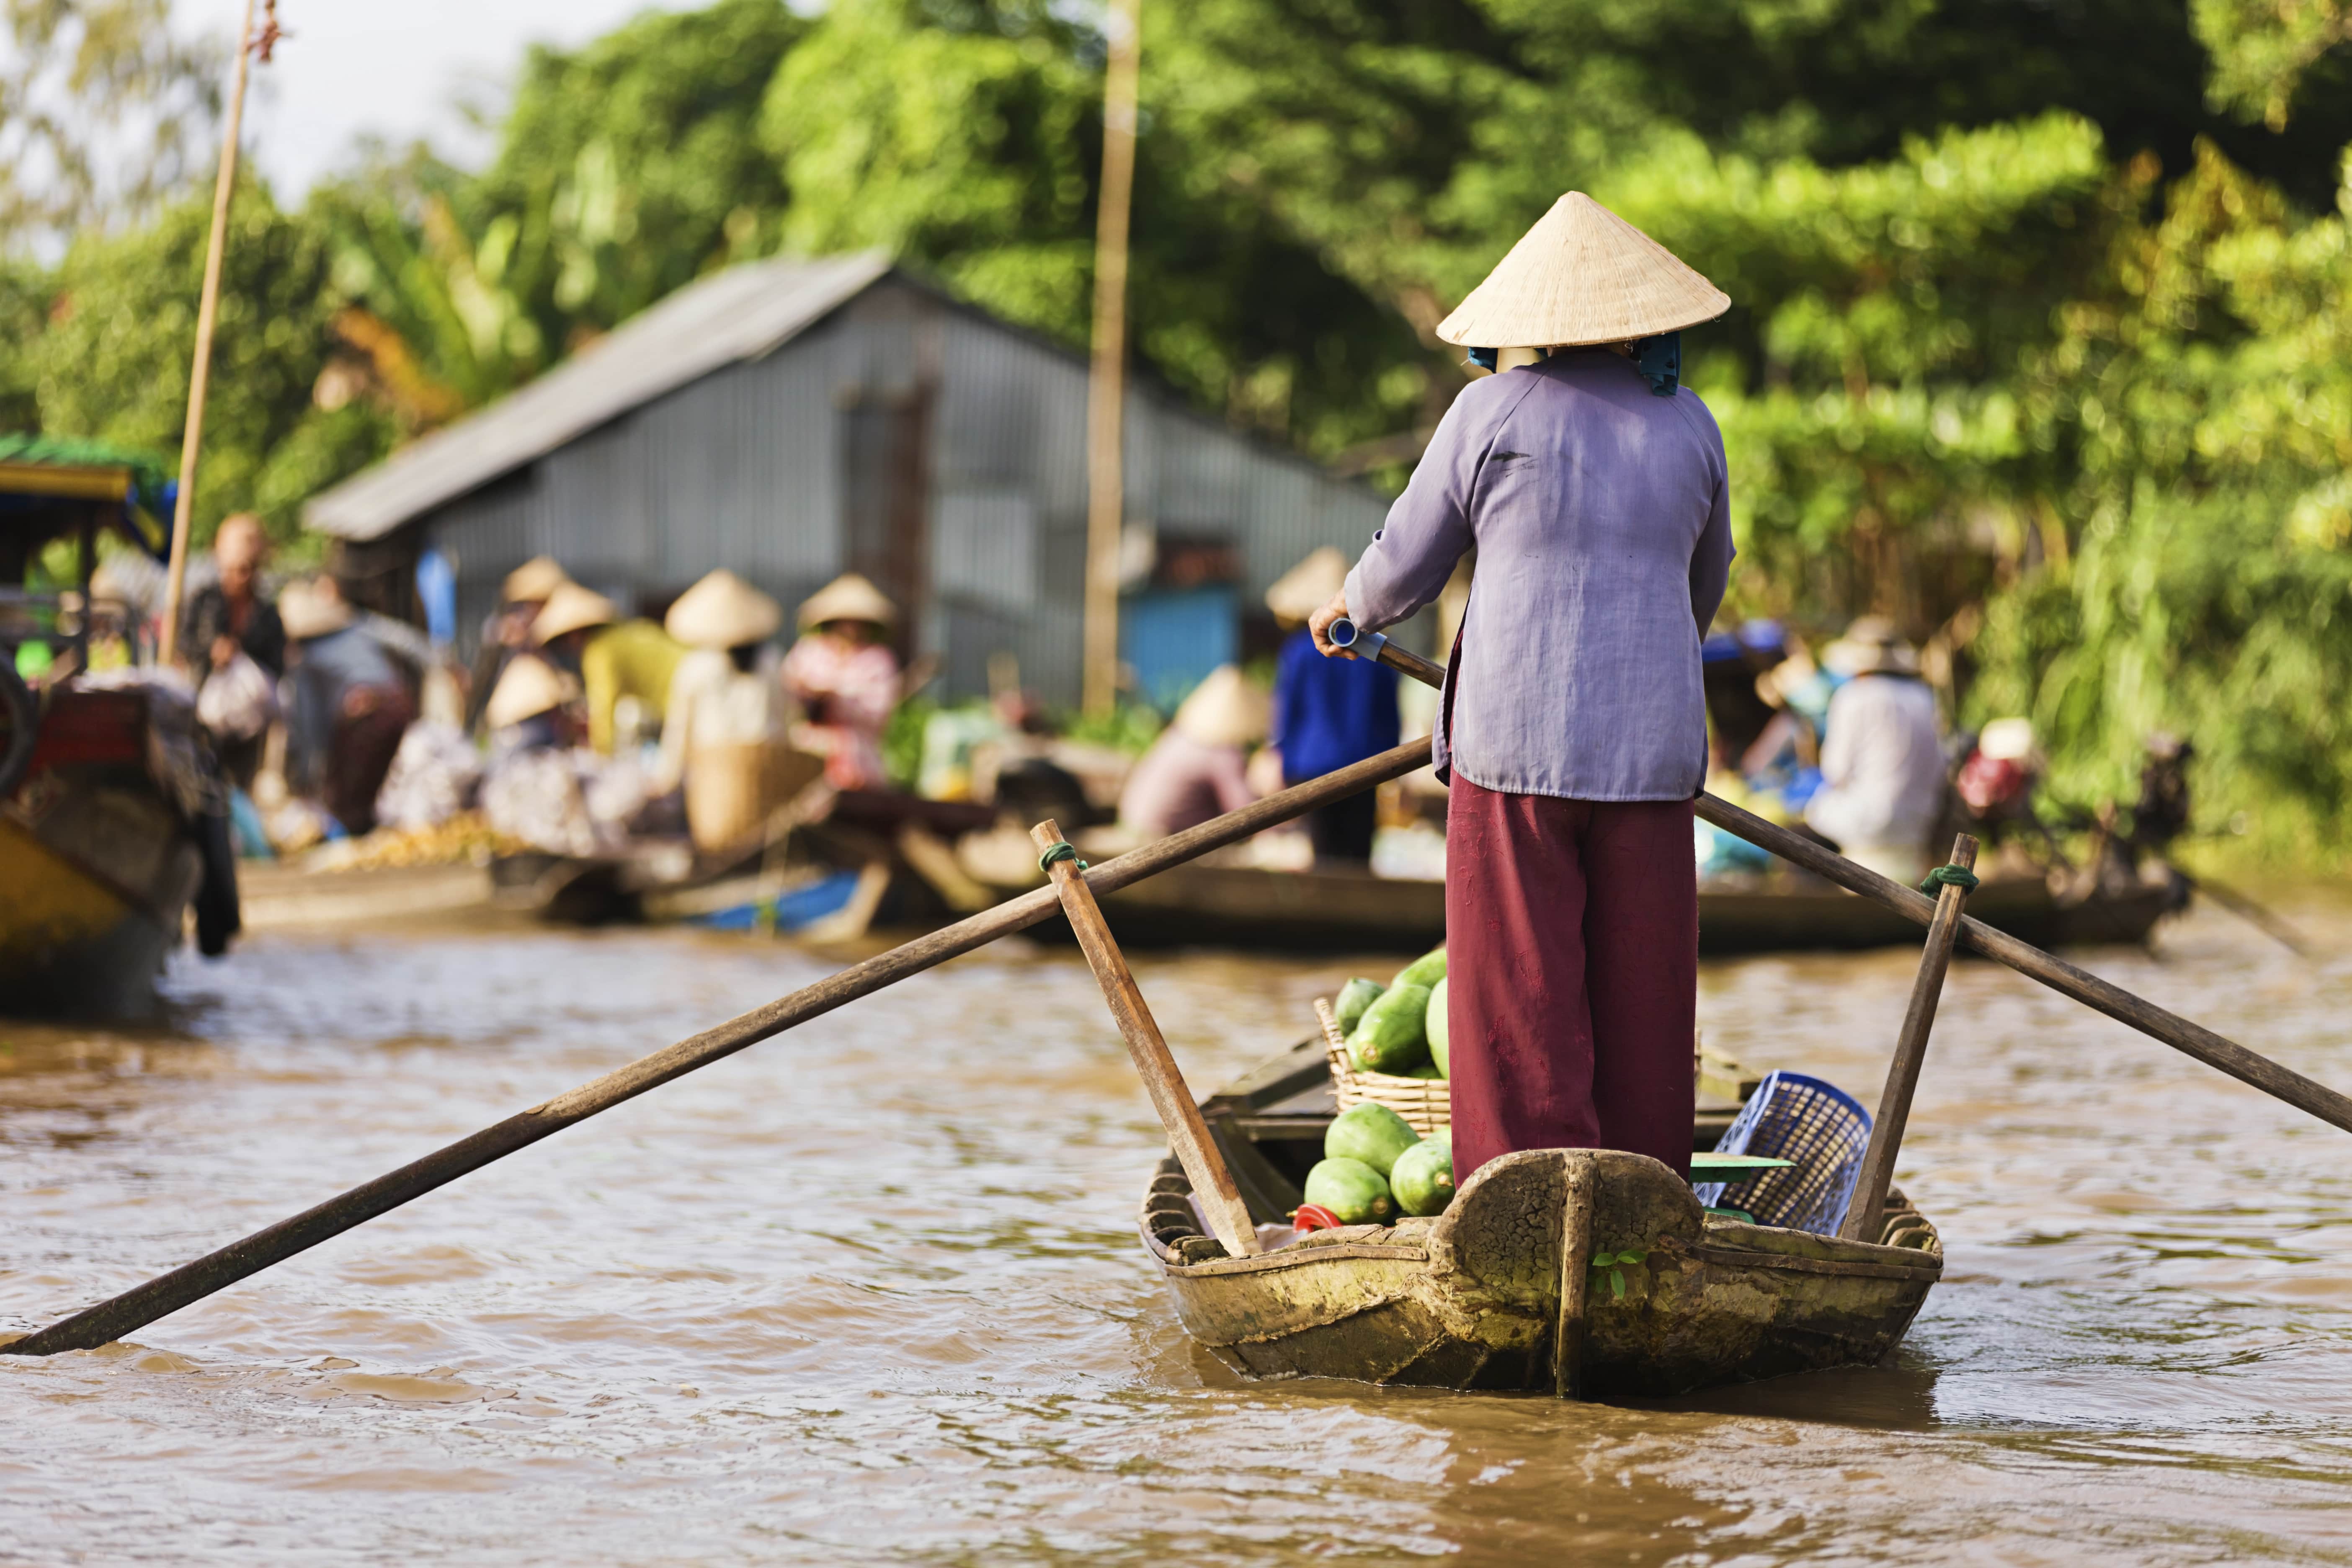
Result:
x=1327 y=712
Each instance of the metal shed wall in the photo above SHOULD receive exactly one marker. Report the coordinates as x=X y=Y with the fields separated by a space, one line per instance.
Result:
x=745 y=469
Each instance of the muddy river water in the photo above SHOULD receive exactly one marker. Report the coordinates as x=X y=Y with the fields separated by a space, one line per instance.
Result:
x=871 y=1292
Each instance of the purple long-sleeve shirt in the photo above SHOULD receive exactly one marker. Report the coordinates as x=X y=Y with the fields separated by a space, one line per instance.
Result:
x=1601 y=516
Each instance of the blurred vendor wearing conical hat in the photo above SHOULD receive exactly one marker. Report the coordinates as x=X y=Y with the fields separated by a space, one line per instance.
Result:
x=615 y=657
x=846 y=678
x=350 y=703
x=1329 y=713
x=531 y=688
x=1573 y=726
x=1199 y=767
x=1881 y=789
x=536 y=785
x=507 y=631
x=720 y=695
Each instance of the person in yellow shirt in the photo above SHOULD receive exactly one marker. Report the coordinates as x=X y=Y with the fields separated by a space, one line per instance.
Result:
x=613 y=658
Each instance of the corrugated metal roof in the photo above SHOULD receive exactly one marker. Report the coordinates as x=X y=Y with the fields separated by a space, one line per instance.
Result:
x=737 y=314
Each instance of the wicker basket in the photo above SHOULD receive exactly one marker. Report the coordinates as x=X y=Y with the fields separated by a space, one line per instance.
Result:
x=1425 y=1103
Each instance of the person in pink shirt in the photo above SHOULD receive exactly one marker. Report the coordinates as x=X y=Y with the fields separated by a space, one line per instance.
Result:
x=846 y=678
x=1198 y=767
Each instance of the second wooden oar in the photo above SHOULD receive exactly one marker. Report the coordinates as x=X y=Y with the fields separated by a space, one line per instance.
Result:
x=1863 y=1217
x=1188 y=1135
x=134 y=1309
x=2191 y=1039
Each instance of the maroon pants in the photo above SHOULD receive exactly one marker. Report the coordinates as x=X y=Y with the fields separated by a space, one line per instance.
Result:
x=360 y=756
x=1572 y=974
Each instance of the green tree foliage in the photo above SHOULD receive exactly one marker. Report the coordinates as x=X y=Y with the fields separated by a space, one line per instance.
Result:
x=104 y=113
x=968 y=142
x=113 y=362
x=2210 y=590
x=2039 y=340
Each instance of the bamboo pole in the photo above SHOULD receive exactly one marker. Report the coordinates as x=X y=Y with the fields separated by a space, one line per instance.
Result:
x=136 y=1308
x=1106 y=386
x=1863 y=1218
x=2190 y=1039
x=200 y=375
x=1188 y=1135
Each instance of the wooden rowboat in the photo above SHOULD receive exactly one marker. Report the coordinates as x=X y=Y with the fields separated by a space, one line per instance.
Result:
x=1660 y=1297
x=1592 y=1266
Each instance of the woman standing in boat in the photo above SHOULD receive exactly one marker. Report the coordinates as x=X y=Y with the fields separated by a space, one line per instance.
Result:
x=1573 y=724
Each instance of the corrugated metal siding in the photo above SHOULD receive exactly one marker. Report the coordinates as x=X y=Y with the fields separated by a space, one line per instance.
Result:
x=743 y=469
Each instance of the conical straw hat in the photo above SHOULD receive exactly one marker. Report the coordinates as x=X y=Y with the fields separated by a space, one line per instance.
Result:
x=1309 y=585
x=723 y=611
x=1871 y=646
x=1224 y=710
x=570 y=608
x=312 y=609
x=848 y=597
x=529 y=687
x=1582 y=275
x=533 y=582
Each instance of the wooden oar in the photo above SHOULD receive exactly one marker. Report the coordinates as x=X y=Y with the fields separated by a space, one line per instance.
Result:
x=134 y=1309
x=1188 y=1135
x=1862 y=1216
x=2191 y=1039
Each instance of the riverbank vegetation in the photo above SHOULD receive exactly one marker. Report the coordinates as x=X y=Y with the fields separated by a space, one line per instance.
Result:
x=2043 y=344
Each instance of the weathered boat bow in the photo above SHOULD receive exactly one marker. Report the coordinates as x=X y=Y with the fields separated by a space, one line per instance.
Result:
x=1673 y=1297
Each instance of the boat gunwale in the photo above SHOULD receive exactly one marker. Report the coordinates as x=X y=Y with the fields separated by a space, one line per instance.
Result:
x=1857 y=1268
x=1289 y=1257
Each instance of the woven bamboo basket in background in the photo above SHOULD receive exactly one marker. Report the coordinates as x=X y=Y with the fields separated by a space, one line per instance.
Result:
x=1425 y=1103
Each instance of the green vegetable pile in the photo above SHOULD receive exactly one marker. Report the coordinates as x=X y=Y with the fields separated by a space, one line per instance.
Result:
x=1399 y=1029
x=1375 y=1165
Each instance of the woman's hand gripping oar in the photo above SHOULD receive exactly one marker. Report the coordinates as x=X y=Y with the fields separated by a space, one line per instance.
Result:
x=1188 y=1135
x=134 y=1309
x=2191 y=1039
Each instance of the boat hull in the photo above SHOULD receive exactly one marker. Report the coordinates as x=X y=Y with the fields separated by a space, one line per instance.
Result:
x=1595 y=1268
x=1354 y=911
x=70 y=943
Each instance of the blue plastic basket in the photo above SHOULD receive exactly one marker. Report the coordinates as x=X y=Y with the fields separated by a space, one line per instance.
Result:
x=1819 y=1127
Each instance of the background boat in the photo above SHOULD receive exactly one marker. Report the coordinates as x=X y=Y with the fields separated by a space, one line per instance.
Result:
x=1348 y=911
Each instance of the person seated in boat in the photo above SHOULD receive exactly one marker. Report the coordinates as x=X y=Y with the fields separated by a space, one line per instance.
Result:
x=723 y=734
x=844 y=677
x=534 y=787
x=1572 y=734
x=613 y=658
x=1199 y=766
x=507 y=630
x=351 y=704
x=1329 y=713
x=1882 y=779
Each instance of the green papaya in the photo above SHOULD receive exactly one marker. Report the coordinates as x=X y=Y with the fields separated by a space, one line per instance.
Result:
x=1435 y=1026
x=1390 y=1038
x=1370 y=1132
x=1430 y=1070
x=1354 y=998
x=1426 y=970
x=1423 y=1181
x=1352 y=1190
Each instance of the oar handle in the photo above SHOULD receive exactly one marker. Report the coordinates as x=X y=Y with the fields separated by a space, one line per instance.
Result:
x=1345 y=634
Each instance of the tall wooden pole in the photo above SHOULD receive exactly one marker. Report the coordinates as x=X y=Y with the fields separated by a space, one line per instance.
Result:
x=1863 y=1214
x=1107 y=388
x=200 y=376
x=1187 y=1134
